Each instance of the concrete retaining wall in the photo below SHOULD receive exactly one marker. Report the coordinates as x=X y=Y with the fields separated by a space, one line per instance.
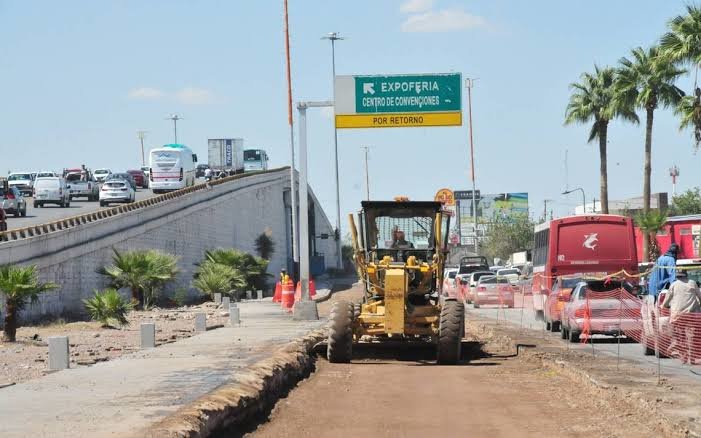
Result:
x=227 y=215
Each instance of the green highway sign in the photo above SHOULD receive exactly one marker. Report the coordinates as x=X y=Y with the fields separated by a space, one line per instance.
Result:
x=408 y=93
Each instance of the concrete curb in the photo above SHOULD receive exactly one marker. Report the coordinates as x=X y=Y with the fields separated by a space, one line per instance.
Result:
x=254 y=391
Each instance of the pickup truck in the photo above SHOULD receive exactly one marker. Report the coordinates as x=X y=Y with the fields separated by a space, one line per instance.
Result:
x=83 y=184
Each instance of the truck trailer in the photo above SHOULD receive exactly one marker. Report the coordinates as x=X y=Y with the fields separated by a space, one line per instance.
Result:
x=225 y=154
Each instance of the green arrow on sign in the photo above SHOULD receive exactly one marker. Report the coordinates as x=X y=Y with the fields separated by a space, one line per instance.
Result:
x=408 y=93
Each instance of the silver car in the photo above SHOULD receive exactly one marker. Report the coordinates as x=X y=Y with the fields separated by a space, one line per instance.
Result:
x=13 y=202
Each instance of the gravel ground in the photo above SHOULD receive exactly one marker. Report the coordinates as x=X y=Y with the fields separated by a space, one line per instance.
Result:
x=27 y=358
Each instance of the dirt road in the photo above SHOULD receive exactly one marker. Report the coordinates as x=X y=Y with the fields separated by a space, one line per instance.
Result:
x=493 y=393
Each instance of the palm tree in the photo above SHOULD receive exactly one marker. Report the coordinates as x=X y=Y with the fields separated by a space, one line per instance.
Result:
x=593 y=100
x=214 y=278
x=683 y=44
x=19 y=284
x=141 y=271
x=650 y=223
x=647 y=82
x=254 y=269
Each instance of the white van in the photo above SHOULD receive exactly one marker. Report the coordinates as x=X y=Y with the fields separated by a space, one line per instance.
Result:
x=51 y=190
x=172 y=167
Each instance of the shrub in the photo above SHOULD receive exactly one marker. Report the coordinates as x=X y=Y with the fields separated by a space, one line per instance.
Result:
x=252 y=268
x=108 y=306
x=215 y=278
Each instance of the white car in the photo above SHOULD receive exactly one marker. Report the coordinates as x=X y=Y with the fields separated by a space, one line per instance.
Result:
x=22 y=181
x=101 y=175
x=46 y=174
x=146 y=170
x=51 y=190
x=116 y=190
x=512 y=274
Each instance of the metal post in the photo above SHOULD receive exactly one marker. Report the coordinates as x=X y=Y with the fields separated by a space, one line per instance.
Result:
x=367 y=175
x=333 y=36
x=141 y=135
x=293 y=185
x=472 y=159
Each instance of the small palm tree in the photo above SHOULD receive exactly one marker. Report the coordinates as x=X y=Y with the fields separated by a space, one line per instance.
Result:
x=214 y=278
x=143 y=272
x=650 y=224
x=253 y=269
x=107 y=306
x=19 y=284
x=647 y=82
x=593 y=101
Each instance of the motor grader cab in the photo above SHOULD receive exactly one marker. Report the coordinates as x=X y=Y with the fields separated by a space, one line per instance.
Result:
x=399 y=251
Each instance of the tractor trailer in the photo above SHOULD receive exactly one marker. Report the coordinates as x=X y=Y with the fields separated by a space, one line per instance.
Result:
x=225 y=154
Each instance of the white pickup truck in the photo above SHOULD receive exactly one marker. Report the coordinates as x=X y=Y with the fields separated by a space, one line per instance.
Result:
x=82 y=184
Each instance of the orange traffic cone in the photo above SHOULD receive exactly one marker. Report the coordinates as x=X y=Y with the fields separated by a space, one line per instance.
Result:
x=277 y=297
x=288 y=296
x=312 y=288
x=298 y=290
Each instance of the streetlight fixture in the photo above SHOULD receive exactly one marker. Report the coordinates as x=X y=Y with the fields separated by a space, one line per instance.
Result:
x=584 y=200
x=333 y=37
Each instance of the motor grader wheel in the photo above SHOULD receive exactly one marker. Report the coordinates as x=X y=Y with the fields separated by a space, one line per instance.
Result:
x=450 y=332
x=340 y=341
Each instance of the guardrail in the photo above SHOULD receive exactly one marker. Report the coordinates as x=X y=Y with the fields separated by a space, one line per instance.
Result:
x=95 y=216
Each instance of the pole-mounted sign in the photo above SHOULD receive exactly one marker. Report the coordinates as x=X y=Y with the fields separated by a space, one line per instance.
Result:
x=398 y=101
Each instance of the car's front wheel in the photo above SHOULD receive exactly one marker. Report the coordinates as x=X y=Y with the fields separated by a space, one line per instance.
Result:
x=24 y=211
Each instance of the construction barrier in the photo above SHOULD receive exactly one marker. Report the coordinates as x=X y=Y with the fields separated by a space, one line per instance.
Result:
x=277 y=296
x=288 y=296
x=298 y=290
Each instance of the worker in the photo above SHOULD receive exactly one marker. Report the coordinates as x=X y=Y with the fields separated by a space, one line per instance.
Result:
x=284 y=278
x=399 y=241
x=664 y=272
x=683 y=297
x=208 y=174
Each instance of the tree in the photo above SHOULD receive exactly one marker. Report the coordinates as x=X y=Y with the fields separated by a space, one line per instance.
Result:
x=143 y=272
x=265 y=247
x=650 y=223
x=647 y=82
x=507 y=236
x=19 y=284
x=215 y=278
x=682 y=43
x=688 y=202
x=108 y=306
x=593 y=100
x=254 y=269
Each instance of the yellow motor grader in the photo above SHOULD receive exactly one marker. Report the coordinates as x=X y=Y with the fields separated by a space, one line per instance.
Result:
x=399 y=252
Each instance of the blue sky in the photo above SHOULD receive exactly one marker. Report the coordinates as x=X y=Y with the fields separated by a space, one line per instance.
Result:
x=78 y=78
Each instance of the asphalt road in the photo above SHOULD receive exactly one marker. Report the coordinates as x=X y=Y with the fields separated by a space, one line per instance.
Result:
x=50 y=213
x=629 y=349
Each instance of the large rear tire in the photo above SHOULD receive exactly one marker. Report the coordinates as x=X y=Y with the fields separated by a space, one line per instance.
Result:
x=450 y=332
x=340 y=342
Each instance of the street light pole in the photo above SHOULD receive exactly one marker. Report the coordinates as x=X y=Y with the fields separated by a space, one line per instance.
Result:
x=469 y=83
x=367 y=175
x=584 y=199
x=293 y=185
x=141 y=134
x=175 y=118
x=333 y=37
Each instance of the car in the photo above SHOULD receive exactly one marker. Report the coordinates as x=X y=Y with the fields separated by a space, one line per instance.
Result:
x=147 y=171
x=3 y=220
x=123 y=176
x=12 y=201
x=101 y=174
x=51 y=190
x=603 y=307
x=199 y=170
x=493 y=290
x=83 y=185
x=471 y=285
x=558 y=296
x=139 y=178
x=116 y=190
x=450 y=285
x=46 y=174
x=511 y=274
x=22 y=181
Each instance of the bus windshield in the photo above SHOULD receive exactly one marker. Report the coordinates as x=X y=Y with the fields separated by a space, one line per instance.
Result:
x=252 y=155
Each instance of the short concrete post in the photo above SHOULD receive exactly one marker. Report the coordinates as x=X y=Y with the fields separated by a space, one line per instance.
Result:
x=148 y=335
x=249 y=295
x=225 y=302
x=217 y=298
x=234 y=315
x=260 y=294
x=59 y=356
x=200 y=322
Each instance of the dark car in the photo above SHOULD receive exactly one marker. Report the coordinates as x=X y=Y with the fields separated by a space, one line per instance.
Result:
x=199 y=171
x=139 y=178
x=123 y=176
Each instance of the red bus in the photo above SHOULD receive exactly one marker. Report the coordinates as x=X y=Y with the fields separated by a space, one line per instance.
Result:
x=685 y=231
x=595 y=243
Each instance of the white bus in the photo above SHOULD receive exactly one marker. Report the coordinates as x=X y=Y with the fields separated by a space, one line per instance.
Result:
x=255 y=159
x=172 y=167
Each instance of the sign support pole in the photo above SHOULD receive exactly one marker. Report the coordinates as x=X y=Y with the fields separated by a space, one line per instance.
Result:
x=469 y=83
x=306 y=308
